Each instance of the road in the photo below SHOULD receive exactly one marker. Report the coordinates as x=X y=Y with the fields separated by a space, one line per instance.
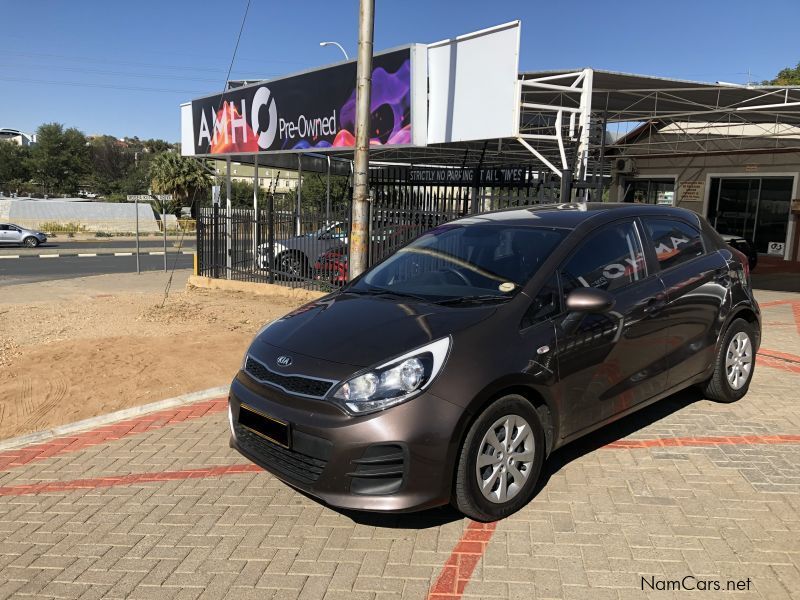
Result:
x=100 y=245
x=33 y=269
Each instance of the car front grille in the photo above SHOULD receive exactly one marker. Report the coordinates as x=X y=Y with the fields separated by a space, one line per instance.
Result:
x=294 y=384
x=292 y=464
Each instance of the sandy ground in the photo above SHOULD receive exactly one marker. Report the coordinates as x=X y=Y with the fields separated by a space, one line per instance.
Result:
x=74 y=349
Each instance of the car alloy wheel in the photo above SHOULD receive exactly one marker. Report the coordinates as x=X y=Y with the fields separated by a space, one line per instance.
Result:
x=291 y=265
x=738 y=360
x=505 y=458
x=734 y=363
x=500 y=459
x=31 y=242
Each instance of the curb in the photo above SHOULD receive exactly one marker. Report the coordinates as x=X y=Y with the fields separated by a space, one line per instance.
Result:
x=120 y=415
x=251 y=287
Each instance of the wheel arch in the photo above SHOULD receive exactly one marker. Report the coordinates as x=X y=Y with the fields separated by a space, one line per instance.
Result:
x=542 y=402
x=747 y=313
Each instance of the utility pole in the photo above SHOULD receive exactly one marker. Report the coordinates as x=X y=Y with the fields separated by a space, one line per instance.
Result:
x=359 y=226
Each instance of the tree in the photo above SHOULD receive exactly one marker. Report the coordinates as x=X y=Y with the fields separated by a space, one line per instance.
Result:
x=787 y=76
x=59 y=159
x=14 y=166
x=111 y=161
x=313 y=192
x=184 y=178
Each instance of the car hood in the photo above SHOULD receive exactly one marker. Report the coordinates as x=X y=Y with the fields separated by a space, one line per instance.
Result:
x=364 y=330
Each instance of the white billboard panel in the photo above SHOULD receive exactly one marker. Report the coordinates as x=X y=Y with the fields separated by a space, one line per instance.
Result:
x=187 y=130
x=473 y=85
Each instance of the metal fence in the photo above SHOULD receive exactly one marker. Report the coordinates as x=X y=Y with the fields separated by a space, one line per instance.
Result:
x=308 y=247
x=272 y=246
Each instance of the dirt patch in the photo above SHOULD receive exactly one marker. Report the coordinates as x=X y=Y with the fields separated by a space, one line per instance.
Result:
x=88 y=355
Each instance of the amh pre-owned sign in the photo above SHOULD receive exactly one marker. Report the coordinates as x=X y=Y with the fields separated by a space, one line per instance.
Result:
x=313 y=110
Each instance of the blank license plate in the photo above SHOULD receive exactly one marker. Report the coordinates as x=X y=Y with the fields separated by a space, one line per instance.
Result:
x=273 y=429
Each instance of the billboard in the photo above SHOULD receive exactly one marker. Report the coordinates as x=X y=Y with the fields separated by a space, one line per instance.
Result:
x=474 y=93
x=311 y=111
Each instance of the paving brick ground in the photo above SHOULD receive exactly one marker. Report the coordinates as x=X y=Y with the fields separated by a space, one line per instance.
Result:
x=161 y=508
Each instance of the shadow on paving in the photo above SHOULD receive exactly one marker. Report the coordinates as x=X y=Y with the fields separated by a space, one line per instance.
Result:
x=555 y=462
x=777 y=282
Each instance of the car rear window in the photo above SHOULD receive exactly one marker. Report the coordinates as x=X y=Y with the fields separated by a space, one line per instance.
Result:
x=675 y=242
x=612 y=258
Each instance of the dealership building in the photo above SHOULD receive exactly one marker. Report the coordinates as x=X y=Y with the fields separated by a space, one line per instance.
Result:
x=459 y=114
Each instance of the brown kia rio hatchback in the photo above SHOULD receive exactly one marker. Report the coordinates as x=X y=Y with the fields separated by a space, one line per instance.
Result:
x=449 y=371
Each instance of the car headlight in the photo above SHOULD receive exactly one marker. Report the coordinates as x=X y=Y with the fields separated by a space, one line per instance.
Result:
x=394 y=381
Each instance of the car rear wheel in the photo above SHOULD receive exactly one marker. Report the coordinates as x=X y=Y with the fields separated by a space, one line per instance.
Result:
x=734 y=364
x=500 y=460
x=30 y=242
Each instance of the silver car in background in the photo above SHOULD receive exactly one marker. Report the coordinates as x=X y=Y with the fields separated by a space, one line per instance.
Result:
x=14 y=234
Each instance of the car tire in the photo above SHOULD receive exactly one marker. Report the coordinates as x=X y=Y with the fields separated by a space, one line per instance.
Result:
x=30 y=242
x=480 y=487
x=734 y=364
x=292 y=266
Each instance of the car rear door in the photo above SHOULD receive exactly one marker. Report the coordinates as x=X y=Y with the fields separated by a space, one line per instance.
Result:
x=612 y=361
x=4 y=234
x=698 y=283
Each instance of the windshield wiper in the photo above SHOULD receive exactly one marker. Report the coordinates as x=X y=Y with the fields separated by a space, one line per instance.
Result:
x=385 y=292
x=473 y=299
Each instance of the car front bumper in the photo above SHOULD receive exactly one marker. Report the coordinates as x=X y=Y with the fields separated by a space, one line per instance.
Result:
x=397 y=460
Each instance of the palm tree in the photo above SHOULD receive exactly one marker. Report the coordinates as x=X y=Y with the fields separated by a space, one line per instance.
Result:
x=171 y=173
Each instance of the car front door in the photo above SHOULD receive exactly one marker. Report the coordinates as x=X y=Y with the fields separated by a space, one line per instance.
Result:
x=609 y=362
x=697 y=283
x=14 y=234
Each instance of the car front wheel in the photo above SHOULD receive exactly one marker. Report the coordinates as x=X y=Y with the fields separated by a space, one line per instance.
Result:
x=30 y=242
x=292 y=265
x=500 y=460
x=733 y=364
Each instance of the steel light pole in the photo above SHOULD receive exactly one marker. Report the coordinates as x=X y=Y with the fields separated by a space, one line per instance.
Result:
x=338 y=45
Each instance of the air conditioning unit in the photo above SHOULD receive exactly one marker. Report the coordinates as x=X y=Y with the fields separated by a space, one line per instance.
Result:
x=624 y=165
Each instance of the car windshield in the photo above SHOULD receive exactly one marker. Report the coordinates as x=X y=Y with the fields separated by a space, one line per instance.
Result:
x=456 y=262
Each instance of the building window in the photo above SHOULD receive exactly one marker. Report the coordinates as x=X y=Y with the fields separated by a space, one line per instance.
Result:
x=755 y=208
x=650 y=191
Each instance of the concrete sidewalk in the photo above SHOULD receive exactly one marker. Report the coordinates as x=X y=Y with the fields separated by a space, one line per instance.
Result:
x=158 y=506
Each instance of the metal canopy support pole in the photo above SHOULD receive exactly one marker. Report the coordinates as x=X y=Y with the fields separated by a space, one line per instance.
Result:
x=255 y=210
x=228 y=228
x=585 y=118
x=566 y=186
x=299 y=194
x=328 y=194
x=359 y=240
x=602 y=160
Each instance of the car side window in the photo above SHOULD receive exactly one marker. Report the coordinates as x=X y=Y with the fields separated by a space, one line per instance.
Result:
x=610 y=259
x=546 y=304
x=3 y=227
x=675 y=242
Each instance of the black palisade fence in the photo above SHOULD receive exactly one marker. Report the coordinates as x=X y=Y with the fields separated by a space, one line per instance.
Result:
x=309 y=248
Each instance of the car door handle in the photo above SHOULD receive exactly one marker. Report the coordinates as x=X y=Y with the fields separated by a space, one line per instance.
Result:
x=653 y=304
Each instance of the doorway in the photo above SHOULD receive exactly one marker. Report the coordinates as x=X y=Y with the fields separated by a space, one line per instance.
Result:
x=755 y=208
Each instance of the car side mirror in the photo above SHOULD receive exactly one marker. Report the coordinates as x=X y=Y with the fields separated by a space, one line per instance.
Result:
x=589 y=300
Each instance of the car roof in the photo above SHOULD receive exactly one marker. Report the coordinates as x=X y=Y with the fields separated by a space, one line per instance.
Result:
x=572 y=215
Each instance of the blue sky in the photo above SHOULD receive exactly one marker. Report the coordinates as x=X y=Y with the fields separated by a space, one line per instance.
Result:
x=122 y=68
